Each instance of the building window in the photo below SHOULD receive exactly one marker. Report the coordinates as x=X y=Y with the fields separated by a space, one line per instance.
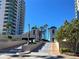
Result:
x=4 y=33
x=8 y=0
x=7 y=7
x=6 y=14
x=4 y=25
x=6 y=11
x=0 y=4
x=4 y=29
x=33 y=32
x=5 y=21
x=6 y=18
x=53 y=31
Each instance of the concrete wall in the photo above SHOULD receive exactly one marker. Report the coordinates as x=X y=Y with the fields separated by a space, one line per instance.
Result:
x=52 y=33
x=35 y=35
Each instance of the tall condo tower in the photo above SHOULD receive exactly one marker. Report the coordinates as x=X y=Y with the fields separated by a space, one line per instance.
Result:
x=77 y=9
x=12 y=17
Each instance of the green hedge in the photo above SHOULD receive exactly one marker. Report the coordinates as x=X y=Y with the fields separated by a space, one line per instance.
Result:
x=64 y=50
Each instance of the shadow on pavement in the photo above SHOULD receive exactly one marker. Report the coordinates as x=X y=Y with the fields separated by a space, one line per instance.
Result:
x=38 y=48
x=34 y=56
x=29 y=56
x=37 y=56
x=57 y=57
x=14 y=55
x=51 y=58
x=60 y=56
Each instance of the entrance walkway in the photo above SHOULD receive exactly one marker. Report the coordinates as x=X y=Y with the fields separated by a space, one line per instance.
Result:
x=54 y=48
x=45 y=48
x=43 y=53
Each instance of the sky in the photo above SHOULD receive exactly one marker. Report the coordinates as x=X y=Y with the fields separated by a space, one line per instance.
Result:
x=51 y=12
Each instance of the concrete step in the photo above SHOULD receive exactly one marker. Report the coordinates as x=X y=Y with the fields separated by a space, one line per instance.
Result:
x=45 y=48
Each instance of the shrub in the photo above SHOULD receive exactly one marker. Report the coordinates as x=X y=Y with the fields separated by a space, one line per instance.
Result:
x=34 y=42
x=63 y=50
x=10 y=37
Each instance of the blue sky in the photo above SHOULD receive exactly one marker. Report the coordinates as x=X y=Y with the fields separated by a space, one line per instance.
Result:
x=51 y=12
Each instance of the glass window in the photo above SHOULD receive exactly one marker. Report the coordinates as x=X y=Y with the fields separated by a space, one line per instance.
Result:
x=4 y=33
x=6 y=14
x=4 y=25
x=33 y=32
x=5 y=21
x=4 y=29
x=8 y=0
x=53 y=31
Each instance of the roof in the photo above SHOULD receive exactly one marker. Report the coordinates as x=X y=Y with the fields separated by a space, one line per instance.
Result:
x=53 y=27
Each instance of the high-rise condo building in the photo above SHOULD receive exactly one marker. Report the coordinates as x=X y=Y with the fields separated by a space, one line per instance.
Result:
x=12 y=17
x=20 y=16
x=77 y=9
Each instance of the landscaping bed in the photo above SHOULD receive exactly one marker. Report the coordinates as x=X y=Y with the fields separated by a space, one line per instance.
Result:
x=69 y=52
x=33 y=47
x=10 y=44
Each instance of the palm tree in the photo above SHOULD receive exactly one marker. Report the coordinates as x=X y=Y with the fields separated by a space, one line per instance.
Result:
x=34 y=28
x=45 y=31
x=8 y=27
x=75 y=33
x=41 y=30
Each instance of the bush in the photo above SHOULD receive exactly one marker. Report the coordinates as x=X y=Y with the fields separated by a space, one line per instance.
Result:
x=64 y=50
x=10 y=37
x=34 y=42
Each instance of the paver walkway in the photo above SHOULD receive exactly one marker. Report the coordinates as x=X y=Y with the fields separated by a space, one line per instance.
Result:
x=43 y=53
x=54 y=48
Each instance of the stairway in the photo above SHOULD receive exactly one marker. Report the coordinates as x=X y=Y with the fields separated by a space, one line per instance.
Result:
x=45 y=48
x=54 y=49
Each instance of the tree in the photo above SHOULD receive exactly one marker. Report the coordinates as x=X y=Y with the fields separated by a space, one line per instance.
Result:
x=42 y=32
x=34 y=27
x=45 y=31
x=70 y=32
x=75 y=33
x=10 y=37
x=8 y=27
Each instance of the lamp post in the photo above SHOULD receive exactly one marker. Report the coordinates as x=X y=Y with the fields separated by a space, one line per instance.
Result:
x=28 y=33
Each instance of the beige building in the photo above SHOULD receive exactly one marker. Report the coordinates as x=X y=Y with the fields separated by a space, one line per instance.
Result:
x=52 y=31
x=34 y=35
